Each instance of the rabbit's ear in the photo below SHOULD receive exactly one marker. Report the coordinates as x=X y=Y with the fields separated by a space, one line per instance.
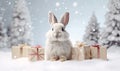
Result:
x=65 y=18
x=52 y=18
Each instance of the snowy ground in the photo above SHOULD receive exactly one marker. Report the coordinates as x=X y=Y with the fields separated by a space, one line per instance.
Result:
x=22 y=64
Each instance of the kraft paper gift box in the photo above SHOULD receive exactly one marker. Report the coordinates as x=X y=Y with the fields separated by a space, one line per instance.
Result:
x=22 y=50
x=81 y=53
x=25 y=51
x=36 y=54
x=77 y=53
x=99 y=52
x=16 y=52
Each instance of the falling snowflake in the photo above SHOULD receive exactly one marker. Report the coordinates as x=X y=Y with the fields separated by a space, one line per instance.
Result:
x=9 y=3
x=75 y=4
x=66 y=8
x=57 y=4
x=20 y=30
x=94 y=30
x=76 y=12
x=29 y=3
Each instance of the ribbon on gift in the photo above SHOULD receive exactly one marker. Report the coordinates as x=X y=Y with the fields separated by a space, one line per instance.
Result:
x=98 y=49
x=80 y=44
x=36 y=53
x=21 y=48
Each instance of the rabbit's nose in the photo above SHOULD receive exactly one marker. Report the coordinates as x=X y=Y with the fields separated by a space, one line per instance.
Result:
x=58 y=34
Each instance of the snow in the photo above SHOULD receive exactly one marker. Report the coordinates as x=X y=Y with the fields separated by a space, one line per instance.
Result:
x=23 y=64
x=21 y=24
x=57 y=4
x=76 y=12
x=111 y=22
x=91 y=35
x=9 y=3
x=75 y=4
x=66 y=8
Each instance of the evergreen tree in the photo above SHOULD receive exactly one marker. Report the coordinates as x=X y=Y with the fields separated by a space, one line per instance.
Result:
x=19 y=31
x=111 y=33
x=91 y=35
x=2 y=34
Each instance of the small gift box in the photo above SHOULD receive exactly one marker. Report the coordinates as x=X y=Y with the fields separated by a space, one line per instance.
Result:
x=78 y=54
x=22 y=50
x=87 y=52
x=16 y=52
x=36 y=53
x=81 y=52
x=98 y=51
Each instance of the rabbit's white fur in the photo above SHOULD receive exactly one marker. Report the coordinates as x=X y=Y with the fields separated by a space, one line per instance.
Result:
x=58 y=43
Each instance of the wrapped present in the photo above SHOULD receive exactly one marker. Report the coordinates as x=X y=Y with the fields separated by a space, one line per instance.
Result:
x=81 y=53
x=87 y=52
x=16 y=52
x=78 y=54
x=22 y=50
x=98 y=51
x=36 y=53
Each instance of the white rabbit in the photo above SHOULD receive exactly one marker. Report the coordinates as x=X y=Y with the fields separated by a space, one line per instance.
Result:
x=58 y=45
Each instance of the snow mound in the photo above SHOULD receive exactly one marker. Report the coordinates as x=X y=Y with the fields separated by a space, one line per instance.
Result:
x=23 y=64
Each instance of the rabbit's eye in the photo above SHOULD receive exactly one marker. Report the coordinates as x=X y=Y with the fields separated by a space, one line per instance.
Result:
x=52 y=29
x=63 y=29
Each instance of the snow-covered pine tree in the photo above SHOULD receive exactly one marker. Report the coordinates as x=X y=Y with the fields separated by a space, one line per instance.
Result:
x=91 y=35
x=20 y=29
x=111 y=33
x=2 y=34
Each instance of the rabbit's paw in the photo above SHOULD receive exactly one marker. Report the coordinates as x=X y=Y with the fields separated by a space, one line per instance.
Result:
x=54 y=58
x=62 y=58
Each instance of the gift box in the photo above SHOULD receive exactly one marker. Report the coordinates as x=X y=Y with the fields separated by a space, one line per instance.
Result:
x=22 y=50
x=78 y=54
x=36 y=53
x=98 y=51
x=16 y=52
x=87 y=52
x=81 y=52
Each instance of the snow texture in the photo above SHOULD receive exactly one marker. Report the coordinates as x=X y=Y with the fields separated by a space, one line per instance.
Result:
x=111 y=33
x=19 y=31
x=91 y=35
x=23 y=64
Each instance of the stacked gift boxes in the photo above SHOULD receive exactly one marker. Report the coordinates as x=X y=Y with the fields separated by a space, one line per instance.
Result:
x=22 y=50
x=32 y=53
x=82 y=51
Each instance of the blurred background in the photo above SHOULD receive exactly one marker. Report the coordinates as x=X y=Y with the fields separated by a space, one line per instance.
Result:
x=80 y=13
